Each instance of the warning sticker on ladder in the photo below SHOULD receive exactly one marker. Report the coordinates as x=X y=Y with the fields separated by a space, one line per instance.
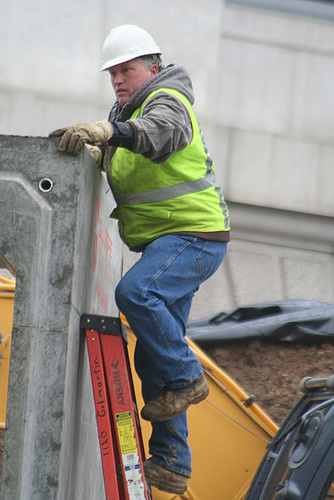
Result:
x=126 y=433
x=130 y=456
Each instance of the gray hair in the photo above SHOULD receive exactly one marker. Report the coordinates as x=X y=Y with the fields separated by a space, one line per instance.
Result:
x=148 y=61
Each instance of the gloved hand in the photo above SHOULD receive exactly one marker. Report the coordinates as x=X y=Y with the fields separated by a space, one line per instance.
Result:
x=96 y=153
x=74 y=137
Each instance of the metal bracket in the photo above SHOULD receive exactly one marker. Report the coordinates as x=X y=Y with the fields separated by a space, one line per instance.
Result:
x=103 y=324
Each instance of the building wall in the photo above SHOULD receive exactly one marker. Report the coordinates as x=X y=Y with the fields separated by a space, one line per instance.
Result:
x=262 y=74
x=274 y=108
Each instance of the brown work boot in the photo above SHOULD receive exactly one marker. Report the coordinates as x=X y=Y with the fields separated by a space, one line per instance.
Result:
x=171 y=403
x=163 y=479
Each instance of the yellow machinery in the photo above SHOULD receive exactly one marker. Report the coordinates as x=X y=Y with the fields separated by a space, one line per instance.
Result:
x=228 y=433
x=7 y=290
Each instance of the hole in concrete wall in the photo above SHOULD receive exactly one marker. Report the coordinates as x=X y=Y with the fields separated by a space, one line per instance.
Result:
x=7 y=292
x=45 y=185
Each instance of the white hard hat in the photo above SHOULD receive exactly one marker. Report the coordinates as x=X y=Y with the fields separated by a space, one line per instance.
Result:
x=125 y=43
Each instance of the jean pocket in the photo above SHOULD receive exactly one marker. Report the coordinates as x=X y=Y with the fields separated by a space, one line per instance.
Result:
x=210 y=258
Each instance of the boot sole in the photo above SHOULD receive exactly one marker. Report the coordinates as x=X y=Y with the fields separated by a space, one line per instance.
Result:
x=154 y=479
x=166 y=488
x=194 y=401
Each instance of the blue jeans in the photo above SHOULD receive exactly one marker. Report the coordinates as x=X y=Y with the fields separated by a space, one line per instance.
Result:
x=155 y=295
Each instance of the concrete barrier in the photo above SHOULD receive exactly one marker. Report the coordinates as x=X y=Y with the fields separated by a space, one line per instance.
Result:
x=67 y=254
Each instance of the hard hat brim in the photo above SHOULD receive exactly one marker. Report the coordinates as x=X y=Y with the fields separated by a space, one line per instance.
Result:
x=122 y=59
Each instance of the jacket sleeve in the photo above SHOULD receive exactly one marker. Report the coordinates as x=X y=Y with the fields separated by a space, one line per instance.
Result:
x=163 y=128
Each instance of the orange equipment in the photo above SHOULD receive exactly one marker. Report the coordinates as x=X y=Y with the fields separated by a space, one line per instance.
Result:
x=7 y=291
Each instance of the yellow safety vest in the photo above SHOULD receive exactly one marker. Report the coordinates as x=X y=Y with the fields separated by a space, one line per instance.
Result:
x=179 y=194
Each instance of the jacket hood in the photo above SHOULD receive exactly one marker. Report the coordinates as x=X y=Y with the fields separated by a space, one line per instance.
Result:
x=173 y=76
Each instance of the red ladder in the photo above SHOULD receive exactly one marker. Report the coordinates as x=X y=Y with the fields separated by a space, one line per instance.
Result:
x=120 y=438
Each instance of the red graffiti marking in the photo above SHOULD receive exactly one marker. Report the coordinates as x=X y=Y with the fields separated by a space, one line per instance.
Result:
x=102 y=296
x=94 y=251
x=105 y=239
x=101 y=234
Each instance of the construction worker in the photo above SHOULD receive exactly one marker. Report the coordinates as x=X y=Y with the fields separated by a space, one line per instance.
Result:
x=170 y=209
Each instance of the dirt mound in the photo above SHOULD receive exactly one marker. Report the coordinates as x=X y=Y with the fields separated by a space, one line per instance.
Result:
x=272 y=371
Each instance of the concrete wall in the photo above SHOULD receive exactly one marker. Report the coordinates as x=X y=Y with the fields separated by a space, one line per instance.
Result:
x=68 y=263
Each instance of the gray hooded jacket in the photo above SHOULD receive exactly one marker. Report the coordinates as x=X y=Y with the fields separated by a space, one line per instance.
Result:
x=164 y=126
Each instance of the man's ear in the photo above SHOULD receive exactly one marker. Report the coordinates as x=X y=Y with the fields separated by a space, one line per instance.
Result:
x=154 y=69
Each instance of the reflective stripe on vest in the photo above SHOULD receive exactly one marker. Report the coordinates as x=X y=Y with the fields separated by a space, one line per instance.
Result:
x=168 y=192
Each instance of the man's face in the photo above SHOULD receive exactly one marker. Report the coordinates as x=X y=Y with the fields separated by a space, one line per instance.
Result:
x=128 y=77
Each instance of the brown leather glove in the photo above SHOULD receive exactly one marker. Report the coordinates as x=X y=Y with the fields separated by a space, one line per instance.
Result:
x=73 y=138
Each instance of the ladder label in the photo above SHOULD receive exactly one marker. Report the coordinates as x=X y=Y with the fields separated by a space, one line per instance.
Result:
x=130 y=455
x=126 y=433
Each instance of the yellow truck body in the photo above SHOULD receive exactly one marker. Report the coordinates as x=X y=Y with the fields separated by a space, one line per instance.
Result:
x=227 y=437
x=7 y=291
